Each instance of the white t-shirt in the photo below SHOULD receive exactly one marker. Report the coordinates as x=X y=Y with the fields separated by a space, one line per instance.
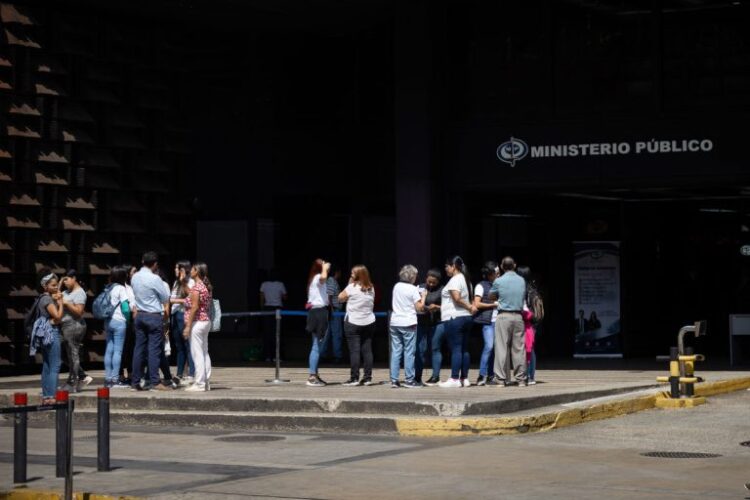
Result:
x=448 y=309
x=273 y=292
x=359 y=305
x=479 y=292
x=119 y=294
x=175 y=294
x=405 y=296
x=316 y=293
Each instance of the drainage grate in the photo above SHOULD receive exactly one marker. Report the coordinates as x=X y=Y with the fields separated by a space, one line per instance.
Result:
x=745 y=443
x=249 y=439
x=92 y=437
x=678 y=454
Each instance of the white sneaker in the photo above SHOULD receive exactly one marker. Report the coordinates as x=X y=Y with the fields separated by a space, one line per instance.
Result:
x=196 y=388
x=87 y=380
x=531 y=382
x=450 y=383
x=466 y=383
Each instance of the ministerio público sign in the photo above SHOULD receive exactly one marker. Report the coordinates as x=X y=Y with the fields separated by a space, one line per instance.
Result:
x=515 y=149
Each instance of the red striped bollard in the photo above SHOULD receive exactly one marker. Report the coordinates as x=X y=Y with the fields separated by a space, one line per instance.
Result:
x=102 y=429
x=61 y=434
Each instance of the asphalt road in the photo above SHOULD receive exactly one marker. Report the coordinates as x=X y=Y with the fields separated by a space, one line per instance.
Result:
x=595 y=460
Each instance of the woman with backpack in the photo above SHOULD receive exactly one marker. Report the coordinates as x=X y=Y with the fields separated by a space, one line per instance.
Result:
x=116 y=326
x=533 y=313
x=198 y=325
x=45 y=334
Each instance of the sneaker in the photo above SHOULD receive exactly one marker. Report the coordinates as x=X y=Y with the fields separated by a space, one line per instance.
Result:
x=189 y=380
x=366 y=381
x=395 y=384
x=140 y=388
x=465 y=382
x=120 y=385
x=196 y=388
x=172 y=384
x=351 y=381
x=494 y=382
x=87 y=380
x=531 y=381
x=162 y=387
x=433 y=381
x=450 y=383
x=481 y=380
x=313 y=381
x=412 y=384
x=71 y=388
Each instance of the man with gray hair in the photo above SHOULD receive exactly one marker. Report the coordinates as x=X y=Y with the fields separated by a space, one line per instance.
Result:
x=406 y=303
x=509 y=291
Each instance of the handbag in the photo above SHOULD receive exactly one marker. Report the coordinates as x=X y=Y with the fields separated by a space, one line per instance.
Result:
x=215 y=315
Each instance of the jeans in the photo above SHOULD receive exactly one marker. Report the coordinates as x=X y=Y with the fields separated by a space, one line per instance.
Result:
x=403 y=342
x=458 y=330
x=50 y=367
x=436 y=343
x=72 y=334
x=334 y=336
x=531 y=370
x=315 y=350
x=359 y=339
x=149 y=343
x=113 y=354
x=199 y=349
x=180 y=344
x=424 y=332
x=488 y=351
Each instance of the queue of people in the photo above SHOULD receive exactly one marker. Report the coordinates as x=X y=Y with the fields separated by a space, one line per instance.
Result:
x=505 y=305
x=136 y=304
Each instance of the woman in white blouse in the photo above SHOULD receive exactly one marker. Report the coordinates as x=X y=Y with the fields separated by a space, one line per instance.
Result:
x=456 y=311
x=359 y=323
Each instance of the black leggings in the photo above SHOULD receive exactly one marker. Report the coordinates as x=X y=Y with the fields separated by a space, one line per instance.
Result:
x=359 y=340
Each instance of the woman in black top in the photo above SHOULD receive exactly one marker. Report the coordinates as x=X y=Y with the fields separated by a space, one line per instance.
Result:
x=427 y=324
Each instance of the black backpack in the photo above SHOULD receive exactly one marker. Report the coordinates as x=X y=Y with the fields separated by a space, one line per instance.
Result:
x=30 y=318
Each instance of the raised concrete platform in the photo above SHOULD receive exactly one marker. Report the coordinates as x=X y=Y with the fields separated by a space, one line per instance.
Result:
x=241 y=399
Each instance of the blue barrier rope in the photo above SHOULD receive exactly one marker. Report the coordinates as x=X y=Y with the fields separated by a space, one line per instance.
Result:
x=287 y=313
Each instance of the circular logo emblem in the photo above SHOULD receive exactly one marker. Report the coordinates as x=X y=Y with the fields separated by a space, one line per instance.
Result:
x=745 y=250
x=511 y=151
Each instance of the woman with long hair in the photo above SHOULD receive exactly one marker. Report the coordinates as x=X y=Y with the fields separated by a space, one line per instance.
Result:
x=180 y=290
x=533 y=313
x=486 y=317
x=317 y=316
x=45 y=335
x=198 y=325
x=456 y=311
x=359 y=323
x=116 y=326
x=430 y=331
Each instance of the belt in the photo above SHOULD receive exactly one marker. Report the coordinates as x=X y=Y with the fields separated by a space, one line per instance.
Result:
x=508 y=312
x=152 y=314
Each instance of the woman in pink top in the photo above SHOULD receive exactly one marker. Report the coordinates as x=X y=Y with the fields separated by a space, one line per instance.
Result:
x=198 y=325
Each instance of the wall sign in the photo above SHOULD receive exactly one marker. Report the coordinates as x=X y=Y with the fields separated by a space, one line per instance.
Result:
x=515 y=149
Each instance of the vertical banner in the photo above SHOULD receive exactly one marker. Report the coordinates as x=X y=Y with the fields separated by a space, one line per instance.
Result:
x=597 y=299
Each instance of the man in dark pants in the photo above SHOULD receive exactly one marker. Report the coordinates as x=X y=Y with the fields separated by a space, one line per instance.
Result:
x=150 y=297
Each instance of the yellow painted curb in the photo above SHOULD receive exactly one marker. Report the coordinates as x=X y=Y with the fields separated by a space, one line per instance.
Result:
x=504 y=426
x=670 y=404
x=27 y=494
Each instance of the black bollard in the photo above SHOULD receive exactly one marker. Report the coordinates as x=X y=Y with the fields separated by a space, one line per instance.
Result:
x=61 y=431
x=674 y=373
x=20 y=426
x=69 y=450
x=689 y=372
x=102 y=430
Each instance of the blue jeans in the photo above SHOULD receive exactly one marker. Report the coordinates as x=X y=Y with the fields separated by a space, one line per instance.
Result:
x=113 y=354
x=149 y=342
x=334 y=336
x=50 y=367
x=424 y=332
x=436 y=343
x=403 y=342
x=180 y=344
x=315 y=350
x=458 y=330
x=531 y=370
x=488 y=351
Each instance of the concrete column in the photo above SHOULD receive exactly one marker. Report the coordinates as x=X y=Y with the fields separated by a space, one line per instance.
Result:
x=413 y=62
